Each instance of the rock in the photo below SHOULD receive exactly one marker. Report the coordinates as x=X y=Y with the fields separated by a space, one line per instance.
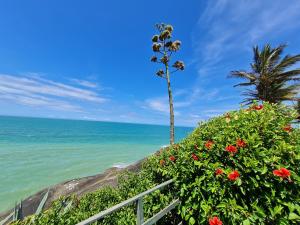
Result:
x=78 y=187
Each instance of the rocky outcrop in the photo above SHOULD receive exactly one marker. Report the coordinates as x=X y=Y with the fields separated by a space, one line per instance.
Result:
x=78 y=187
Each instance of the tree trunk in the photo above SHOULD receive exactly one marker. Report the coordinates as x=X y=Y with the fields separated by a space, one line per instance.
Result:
x=171 y=107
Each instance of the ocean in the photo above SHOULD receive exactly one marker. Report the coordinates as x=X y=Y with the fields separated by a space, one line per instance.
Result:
x=36 y=153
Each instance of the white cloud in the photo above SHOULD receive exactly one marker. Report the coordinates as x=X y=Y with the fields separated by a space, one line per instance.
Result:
x=85 y=83
x=37 y=91
x=230 y=27
x=39 y=101
x=160 y=104
x=187 y=98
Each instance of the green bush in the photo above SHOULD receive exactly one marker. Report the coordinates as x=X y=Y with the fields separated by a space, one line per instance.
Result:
x=239 y=168
x=130 y=184
x=242 y=168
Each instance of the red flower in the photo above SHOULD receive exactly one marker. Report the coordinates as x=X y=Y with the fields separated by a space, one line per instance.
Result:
x=215 y=221
x=282 y=172
x=234 y=175
x=195 y=157
x=162 y=162
x=172 y=158
x=288 y=128
x=258 y=107
x=231 y=148
x=209 y=144
x=219 y=171
x=240 y=143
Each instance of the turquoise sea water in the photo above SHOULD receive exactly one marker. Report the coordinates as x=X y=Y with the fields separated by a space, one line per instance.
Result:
x=36 y=153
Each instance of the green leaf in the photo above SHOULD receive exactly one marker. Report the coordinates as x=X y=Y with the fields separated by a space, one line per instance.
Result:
x=246 y=222
x=192 y=221
x=294 y=216
x=239 y=182
x=277 y=210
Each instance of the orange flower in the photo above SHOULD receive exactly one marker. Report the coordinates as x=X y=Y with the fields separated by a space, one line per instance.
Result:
x=162 y=162
x=215 y=221
x=258 y=107
x=288 y=128
x=241 y=143
x=282 y=172
x=195 y=157
x=172 y=158
x=209 y=144
x=231 y=148
x=219 y=171
x=234 y=175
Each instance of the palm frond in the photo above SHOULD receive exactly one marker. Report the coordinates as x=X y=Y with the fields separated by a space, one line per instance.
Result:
x=243 y=74
x=244 y=84
x=286 y=62
x=270 y=75
x=288 y=75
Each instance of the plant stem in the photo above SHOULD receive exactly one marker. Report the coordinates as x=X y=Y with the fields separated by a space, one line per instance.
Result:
x=171 y=106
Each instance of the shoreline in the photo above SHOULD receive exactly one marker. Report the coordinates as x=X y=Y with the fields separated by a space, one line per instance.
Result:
x=77 y=186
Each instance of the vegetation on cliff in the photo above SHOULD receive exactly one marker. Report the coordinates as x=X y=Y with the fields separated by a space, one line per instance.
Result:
x=239 y=168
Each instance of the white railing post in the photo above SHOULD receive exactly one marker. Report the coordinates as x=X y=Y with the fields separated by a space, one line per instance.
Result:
x=138 y=199
x=139 y=212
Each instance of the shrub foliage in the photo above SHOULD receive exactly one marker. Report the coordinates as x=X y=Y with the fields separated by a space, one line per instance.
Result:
x=239 y=168
x=242 y=168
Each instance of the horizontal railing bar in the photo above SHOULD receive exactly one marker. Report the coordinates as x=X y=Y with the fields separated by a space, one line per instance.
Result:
x=42 y=203
x=122 y=204
x=7 y=218
x=163 y=212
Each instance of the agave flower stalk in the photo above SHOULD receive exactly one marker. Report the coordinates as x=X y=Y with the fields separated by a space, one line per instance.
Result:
x=163 y=48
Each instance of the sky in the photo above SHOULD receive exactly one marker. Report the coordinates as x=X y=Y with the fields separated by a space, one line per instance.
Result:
x=91 y=59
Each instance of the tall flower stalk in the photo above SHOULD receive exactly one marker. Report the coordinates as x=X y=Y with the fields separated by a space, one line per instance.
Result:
x=163 y=48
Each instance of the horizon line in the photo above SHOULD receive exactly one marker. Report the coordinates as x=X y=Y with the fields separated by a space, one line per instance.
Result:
x=92 y=120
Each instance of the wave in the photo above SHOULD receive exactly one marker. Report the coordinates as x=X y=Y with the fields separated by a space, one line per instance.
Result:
x=164 y=146
x=120 y=165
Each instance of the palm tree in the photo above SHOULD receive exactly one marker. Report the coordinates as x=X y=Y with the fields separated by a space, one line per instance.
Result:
x=270 y=77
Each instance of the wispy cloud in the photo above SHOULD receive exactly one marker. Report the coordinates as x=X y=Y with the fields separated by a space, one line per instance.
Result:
x=85 y=83
x=229 y=27
x=159 y=104
x=224 y=34
x=182 y=99
x=38 y=91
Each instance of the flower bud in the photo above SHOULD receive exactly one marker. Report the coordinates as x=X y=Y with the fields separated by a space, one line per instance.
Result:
x=179 y=65
x=164 y=59
x=160 y=73
x=175 y=45
x=165 y=35
x=153 y=59
x=155 y=38
x=156 y=47
x=169 y=28
x=168 y=44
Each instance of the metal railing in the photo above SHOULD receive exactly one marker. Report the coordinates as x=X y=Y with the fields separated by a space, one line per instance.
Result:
x=139 y=211
x=16 y=213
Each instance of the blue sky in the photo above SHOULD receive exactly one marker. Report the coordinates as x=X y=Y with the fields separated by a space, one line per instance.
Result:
x=90 y=59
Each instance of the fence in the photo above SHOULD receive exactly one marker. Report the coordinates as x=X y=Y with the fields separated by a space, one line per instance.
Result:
x=138 y=199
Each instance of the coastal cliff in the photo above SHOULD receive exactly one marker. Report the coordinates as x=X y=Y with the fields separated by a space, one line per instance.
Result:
x=78 y=186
